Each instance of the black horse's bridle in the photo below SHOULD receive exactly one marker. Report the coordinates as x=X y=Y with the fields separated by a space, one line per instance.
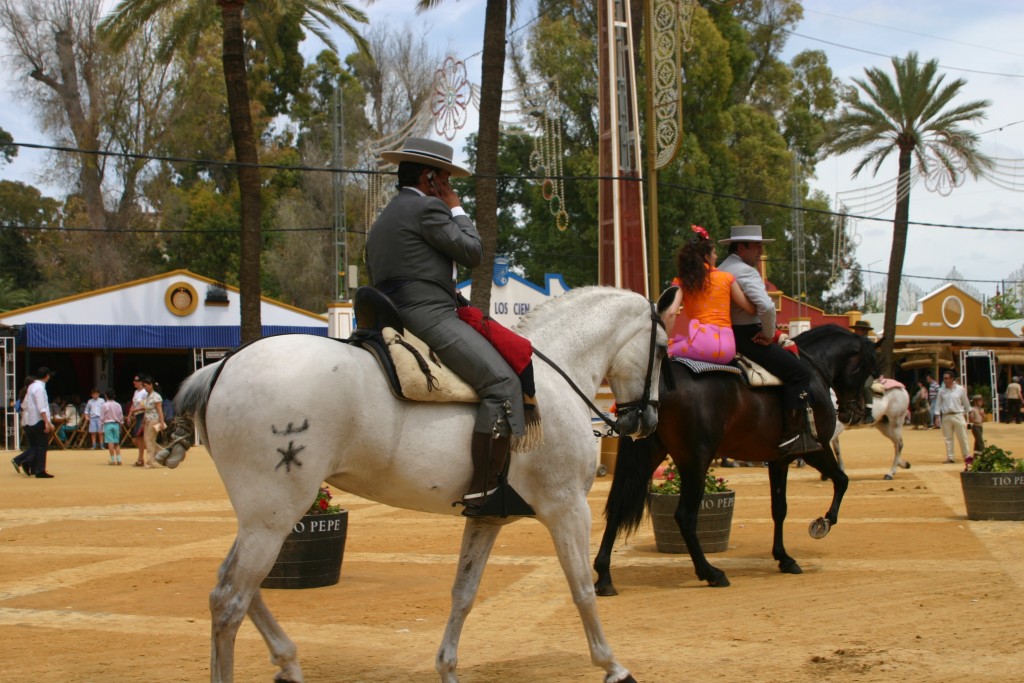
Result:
x=852 y=405
x=623 y=409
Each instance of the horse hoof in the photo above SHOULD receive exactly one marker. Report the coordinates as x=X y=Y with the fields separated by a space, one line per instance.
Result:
x=627 y=679
x=718 y=579
x=887 y=477
x=819 y=528
x=790 y=567
x=906 y=465
x=605 y=590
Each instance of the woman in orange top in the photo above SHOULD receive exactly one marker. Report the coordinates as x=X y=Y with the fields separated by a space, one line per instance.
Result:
x=704 y=331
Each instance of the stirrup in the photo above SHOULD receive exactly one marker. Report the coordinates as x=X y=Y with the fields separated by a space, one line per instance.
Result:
x=501 y=501
x=799 y=444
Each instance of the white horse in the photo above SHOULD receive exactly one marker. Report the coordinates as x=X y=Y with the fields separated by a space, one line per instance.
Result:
x=286 y=413
x=889 y=411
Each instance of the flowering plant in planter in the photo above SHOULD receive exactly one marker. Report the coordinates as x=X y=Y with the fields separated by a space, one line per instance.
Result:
x=670 y=482
x=994 y=459
x=322 y=504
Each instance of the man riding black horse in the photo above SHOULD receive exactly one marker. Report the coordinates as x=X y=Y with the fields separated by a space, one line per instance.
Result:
x=755 y=337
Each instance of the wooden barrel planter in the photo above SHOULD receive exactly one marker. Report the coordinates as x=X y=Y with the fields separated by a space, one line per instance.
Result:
x=993 y=495
x=311 y=555
x=714 y=521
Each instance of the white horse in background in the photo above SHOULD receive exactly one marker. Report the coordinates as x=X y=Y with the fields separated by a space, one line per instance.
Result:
x=889 y=412
x=284 y=414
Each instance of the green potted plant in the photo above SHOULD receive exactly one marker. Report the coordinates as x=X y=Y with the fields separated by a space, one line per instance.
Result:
x=311 y=555
x=993 y=485
x=714 y=520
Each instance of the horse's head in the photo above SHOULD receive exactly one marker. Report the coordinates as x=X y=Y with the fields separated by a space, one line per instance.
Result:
x=634 y=373
x=848 y=360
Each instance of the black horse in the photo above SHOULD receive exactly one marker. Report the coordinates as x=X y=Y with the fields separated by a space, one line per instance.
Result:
x=709 y=415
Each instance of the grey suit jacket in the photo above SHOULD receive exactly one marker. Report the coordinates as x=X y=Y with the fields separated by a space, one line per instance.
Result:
x=417 y=238
x=753 y=286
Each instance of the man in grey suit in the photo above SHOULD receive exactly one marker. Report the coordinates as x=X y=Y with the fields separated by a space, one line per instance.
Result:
x=412 y=253
x=755 y=333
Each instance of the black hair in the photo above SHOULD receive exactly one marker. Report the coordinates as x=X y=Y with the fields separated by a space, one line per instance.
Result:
x=409 y=173
x=111 y=394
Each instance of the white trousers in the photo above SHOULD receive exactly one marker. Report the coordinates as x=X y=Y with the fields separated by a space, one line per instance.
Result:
x=955 y=424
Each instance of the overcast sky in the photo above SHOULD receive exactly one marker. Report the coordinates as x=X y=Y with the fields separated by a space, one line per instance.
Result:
x=978 y=41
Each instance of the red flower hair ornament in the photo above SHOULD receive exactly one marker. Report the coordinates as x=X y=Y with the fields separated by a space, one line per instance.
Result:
x=699 y=232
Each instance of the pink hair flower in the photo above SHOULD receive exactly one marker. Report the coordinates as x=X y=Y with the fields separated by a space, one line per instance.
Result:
x=701 y=232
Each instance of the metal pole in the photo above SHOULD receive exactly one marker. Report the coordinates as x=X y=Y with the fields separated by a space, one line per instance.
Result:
x=338 y=184
x=652 y=171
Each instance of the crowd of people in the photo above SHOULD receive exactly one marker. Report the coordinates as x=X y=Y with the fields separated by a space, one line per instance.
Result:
x=101 y=418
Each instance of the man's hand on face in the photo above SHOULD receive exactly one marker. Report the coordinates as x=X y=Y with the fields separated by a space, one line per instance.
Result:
x=438 y=186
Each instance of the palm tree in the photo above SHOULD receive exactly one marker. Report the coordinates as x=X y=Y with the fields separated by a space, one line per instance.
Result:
x=191 y=18
x=914 y=117
x=492 y=73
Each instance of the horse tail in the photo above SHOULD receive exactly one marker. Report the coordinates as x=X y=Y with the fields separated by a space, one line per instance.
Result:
x=191 y=398
x=624 y=509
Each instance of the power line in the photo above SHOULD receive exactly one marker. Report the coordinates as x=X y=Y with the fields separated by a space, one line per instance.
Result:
x=319 y=169
x=916 y=33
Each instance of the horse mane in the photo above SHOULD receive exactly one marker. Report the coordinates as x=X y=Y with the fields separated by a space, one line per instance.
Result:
x=828 y=333
x=537 y=316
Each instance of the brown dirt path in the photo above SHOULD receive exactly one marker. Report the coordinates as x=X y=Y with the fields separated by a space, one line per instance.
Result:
x=105 y=571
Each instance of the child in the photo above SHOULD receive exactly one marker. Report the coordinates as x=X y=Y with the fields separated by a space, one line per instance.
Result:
x=112 y=416
x=975 y=418
x=92 y=412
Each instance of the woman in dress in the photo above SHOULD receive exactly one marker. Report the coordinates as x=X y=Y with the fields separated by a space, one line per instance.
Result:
x=703 y=330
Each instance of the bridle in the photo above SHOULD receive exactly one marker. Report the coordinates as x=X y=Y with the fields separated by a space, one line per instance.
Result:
x=852 y=405
x=623 y=409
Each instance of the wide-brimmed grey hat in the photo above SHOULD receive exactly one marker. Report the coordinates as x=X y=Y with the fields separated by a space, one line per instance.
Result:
x=428 y=153
x=862 y=325
x=745 y=233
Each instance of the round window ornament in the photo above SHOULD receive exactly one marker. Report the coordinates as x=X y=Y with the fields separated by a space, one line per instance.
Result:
x=181 y=299
x=953 y=311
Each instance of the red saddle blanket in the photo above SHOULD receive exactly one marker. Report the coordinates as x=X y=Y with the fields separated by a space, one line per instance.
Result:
x=516 y=350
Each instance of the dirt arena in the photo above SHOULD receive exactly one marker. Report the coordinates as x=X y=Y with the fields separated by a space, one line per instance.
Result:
x=105 y=571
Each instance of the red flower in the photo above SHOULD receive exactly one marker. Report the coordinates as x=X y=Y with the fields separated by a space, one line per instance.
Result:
x=323 y=503
x=700 y=231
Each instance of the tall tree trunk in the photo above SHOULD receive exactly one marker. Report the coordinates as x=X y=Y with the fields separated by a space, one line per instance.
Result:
x=236 y=80
x=896 y=256
x=491 y=73
x=84 y=125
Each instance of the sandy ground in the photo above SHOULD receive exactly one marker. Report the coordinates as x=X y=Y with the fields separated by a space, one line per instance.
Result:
x=105 y=571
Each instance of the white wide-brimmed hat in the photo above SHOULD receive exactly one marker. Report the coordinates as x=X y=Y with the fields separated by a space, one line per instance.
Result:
x=428 y=153
x=745 y=233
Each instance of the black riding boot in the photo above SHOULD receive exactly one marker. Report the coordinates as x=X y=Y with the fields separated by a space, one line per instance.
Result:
x=796 y=434
x=490 y=494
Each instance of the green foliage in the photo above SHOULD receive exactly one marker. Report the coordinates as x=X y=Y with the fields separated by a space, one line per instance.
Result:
x=12 y=297
x=7 y=150
x=209 y=243
x=671 y=482
x=23 y=206
x=1005 y=306
x=995 y=459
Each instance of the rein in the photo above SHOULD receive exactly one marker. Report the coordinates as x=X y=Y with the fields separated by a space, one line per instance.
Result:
x=813 y=362
x=645 y=399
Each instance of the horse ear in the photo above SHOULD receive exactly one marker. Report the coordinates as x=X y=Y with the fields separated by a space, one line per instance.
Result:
x=667 y=298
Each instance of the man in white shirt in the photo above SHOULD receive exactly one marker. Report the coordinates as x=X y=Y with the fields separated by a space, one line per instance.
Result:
x=38 y=426
x=952 y=407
